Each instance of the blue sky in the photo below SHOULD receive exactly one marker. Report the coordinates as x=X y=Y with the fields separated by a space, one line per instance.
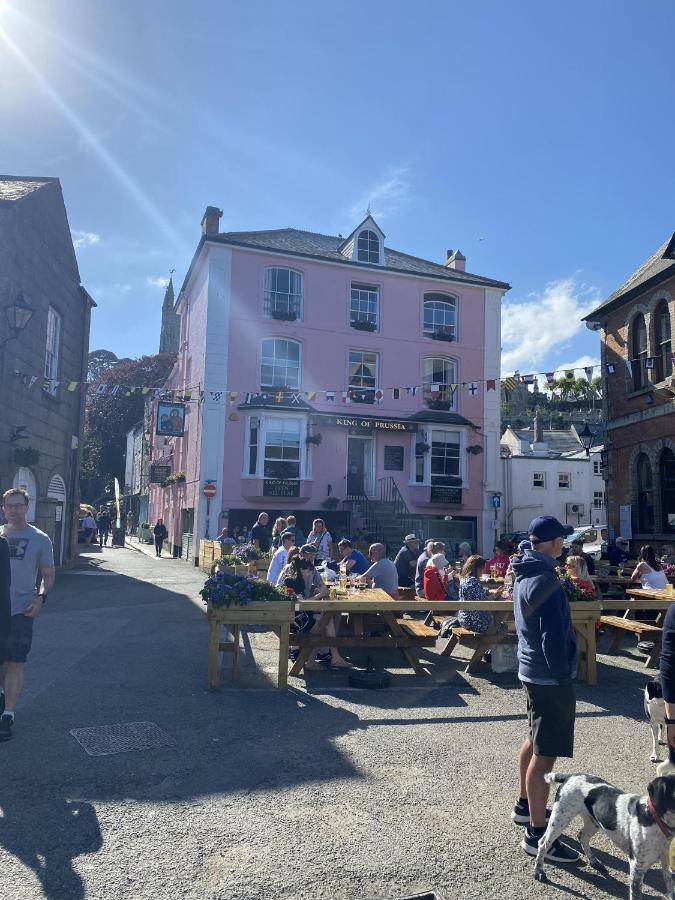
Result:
x=535 y=137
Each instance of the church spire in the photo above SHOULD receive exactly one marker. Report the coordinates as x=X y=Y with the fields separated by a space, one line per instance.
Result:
x=170 y=333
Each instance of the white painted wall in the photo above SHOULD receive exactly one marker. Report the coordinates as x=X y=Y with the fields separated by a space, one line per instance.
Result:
x=492 y=471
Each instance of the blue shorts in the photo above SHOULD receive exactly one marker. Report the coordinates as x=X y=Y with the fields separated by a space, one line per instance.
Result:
x=17 y=645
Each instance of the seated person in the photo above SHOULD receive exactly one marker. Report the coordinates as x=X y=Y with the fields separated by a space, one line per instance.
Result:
x=382 y=572
x=353 y=560
x=303 y=579
x=649 y=570
x=470 y=588
x=499 y=561
x=436 y=578
x=577 y=570
x=577 y=549
x=617 y=552
x=668 y=554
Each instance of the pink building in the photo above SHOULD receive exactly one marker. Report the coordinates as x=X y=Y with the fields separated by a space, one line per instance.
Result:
x=340 y=379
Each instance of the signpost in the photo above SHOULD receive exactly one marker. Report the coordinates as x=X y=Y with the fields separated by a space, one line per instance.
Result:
x=209 y=490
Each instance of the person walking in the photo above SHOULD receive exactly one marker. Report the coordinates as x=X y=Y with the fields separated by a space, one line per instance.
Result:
x=31 y=557
x=89 y=526
x=103 y=525
x=406 y=561
x=161 y=534
x=5 y=581
x=547 y=663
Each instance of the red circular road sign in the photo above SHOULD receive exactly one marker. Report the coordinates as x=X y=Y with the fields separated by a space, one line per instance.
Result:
x=209 y=490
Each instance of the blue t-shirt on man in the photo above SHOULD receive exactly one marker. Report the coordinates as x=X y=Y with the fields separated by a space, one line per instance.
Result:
x=361 y=564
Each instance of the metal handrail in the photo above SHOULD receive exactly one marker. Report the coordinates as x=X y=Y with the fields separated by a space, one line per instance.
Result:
x=388 y=492
x=368 y=513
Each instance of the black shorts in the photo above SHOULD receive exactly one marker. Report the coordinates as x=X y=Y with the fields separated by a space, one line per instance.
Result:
x=17 y=645
x=550 y=713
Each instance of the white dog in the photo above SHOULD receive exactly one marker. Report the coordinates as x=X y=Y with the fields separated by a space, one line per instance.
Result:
x=655 y=710
x=642 y=827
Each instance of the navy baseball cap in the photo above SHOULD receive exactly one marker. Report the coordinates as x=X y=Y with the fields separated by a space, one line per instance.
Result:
x=547 y=528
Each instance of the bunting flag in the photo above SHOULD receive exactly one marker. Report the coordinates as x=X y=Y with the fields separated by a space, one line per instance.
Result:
x=101 y=390
x=116 y=388
x=509 y=384
x=216 y=395
x=233 y=396
x=672 y=357
x=187 y=396
x=491 y=384
x=650 y=362
x=396 y=393
x=345 y=396
x=588 y=370
x=145 y=391
x=649 y=399
x=311 y=395
x=611 y=368
x=452 y=388
x=330 y=396
x=379 y=395
x=629 y=366
x=527 y=379
x=435 y=391
x=569 y=375
x=550 y=378
x=412 y=391
x=473 y=388
x=73 y=386
x=32 y=381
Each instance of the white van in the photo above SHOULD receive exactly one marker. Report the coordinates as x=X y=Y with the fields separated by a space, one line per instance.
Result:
x=593 y=536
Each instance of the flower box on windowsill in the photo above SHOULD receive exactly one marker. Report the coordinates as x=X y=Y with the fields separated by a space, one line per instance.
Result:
x=440 y=405
x=363 y=325
x=367 y=395
x=442 y=336
x=284 y=315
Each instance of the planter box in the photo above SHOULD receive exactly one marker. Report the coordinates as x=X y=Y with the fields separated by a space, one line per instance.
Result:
x=145 y=536
x=276 y=615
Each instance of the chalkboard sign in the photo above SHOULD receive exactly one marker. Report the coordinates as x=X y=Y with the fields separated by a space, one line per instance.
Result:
x=393 y=459
x=159 y=474
x=281 y=487
x=441 y=493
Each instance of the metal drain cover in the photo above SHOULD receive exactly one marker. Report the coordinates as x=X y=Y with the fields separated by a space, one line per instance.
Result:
x=105 y=740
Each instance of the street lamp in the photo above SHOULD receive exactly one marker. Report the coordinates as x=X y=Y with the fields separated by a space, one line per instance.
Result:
x=18 y=316
x=586 y=437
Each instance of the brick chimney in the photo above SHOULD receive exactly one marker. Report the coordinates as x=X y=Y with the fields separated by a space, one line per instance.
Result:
x=210 y=220
x=455 y=260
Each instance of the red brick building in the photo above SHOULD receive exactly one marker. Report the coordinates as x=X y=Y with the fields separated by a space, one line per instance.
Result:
x=635 y=325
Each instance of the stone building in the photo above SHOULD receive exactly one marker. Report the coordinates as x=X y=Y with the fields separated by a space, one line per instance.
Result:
x=170 y=334
x=41 y=419
x=635 y=325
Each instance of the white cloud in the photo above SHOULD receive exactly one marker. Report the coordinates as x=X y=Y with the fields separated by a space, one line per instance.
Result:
x=533 y=329
x=157 y=282
x=386 y=197
x=85 y=238
x=581 y=362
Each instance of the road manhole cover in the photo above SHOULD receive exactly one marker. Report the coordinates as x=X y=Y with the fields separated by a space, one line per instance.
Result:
x=105 y=740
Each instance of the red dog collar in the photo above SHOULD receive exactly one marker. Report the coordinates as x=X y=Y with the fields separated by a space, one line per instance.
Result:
x=659 y=821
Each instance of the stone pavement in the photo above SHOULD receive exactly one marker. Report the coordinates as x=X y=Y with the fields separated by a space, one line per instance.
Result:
x=322 y=791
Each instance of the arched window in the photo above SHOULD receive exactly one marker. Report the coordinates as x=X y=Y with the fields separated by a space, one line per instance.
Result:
x=282 y=295
x=667 y=472
x=662 y=345
x=368 y=247
x=280 y=364
x=440 y=317
x=639 y=351
x=645 y=495
x=439 y=381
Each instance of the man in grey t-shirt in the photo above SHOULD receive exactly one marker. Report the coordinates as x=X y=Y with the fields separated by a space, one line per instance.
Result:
x=31 y=559
x=382 y=572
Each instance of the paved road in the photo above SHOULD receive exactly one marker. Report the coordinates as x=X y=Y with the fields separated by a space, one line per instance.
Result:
x=320 y=792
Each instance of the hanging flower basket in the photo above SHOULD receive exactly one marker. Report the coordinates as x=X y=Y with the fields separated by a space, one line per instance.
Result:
x=441 y=405
x=330 y=503
x=284 y=315
x=26 y=456
x=443 y=336
x=421 y=448
x=314 y=438
x=475 y=449
x=175 y=478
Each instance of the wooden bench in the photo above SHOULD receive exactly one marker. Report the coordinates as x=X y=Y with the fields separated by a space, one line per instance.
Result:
x=426 y=636
x=624 y=625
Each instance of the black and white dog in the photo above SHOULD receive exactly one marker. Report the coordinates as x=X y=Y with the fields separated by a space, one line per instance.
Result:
x=642 y=827
x=655 y=710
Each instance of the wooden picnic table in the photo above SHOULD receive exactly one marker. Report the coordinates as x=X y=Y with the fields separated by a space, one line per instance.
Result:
x=638 y=599
x=409 y=635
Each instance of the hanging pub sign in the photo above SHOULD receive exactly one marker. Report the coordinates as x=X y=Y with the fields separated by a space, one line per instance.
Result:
x=170 y=419
x=159 y=474
x=281 y=487
x=441 y=493
x=366 y=423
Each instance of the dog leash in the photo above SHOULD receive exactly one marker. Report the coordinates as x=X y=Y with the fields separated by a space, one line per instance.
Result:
x=659 y=821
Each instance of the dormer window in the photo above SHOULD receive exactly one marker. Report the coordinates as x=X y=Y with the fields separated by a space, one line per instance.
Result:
x=368 y=247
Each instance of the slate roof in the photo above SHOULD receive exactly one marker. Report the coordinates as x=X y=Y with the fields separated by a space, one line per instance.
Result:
x=14 y=188
x=659 y=267
x=324 y=246
x=560 y=443
x=436 y=417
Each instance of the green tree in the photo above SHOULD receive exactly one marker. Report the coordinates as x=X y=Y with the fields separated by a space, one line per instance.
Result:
x=109 y=417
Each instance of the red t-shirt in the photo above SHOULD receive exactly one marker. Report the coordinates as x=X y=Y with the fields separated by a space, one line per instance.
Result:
x=500 y=563
x=435 y=584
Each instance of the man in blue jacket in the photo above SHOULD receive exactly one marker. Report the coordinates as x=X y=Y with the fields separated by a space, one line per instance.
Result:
x=547 y=663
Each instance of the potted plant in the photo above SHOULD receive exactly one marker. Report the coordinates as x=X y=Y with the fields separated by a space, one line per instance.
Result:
x=175 y=478
x=223 y=590
x=441 y=405
x=330 y=503
x=284 y=315
x=26 y=456
x=363 y=325
x=145 y=533
x=441 y=334
x=314 y=438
